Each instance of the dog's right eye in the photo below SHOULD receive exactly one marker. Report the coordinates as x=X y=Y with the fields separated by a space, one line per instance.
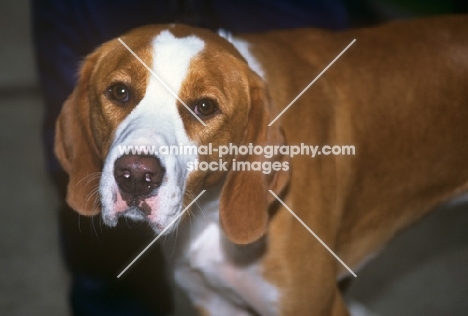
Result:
x=119 y=92
x=205 y=107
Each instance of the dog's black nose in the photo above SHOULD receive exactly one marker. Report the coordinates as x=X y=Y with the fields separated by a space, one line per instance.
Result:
x=138 y=175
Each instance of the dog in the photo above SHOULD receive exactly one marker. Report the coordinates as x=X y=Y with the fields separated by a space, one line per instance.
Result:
x=398 y=95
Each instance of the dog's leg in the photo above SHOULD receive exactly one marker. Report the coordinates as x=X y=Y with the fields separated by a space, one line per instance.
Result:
x=304 y=270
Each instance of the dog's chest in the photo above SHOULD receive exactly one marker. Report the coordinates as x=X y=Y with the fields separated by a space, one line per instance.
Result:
x=221 y=276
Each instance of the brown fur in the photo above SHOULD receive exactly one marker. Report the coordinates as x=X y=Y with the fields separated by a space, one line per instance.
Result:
x=398 y=95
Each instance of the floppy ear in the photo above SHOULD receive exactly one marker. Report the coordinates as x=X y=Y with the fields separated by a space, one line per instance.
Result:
x=245 y=199
x=75 y=147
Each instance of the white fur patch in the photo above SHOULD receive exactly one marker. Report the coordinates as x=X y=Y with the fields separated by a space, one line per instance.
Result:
x=203 y=260
x=243 y=48
x=155 y=121
x=205 y=266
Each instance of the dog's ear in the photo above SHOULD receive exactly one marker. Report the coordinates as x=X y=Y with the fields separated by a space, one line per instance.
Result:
x=75 y=147
x=245 y=199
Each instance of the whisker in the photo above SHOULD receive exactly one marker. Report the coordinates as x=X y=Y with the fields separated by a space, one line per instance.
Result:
x=197 y=202
x=79 y=223
x=88 y=178
x=90 y=195
x=101 y=224
x=94 y=230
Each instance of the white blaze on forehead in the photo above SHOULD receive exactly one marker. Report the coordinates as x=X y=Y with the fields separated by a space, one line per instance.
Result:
x=156 y=121
x=171 y=61
x=172 y=57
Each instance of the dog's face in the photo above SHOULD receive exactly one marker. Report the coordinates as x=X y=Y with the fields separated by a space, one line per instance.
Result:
x=119 y=105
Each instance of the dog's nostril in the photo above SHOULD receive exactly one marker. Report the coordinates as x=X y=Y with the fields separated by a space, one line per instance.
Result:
x=148 y=177
x=138 y=175
x=126 y=174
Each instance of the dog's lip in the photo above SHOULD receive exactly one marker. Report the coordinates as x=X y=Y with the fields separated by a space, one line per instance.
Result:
x=135 y=200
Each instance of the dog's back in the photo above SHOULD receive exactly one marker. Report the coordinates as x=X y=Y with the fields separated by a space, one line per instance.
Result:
x=399 y=96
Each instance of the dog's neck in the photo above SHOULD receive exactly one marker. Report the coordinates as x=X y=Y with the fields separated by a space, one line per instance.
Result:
x=202 y=223
x=201 y=255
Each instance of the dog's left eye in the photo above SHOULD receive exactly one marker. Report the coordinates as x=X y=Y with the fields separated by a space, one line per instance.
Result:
x=119 y=92
x=205 y=107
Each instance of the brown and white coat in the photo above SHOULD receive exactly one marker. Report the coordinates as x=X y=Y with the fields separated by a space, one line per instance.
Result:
x=398 y=95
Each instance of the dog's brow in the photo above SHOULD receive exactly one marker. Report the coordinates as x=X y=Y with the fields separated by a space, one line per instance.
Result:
x=161 y=81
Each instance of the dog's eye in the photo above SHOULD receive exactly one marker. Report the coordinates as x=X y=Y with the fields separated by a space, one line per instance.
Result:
x=119 y=92
x=205 y=107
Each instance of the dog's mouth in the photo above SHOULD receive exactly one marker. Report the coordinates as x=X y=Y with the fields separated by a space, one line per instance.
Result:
x=138 y=179
x=140 y=209
x=137 y=202
x=143 y=188
x=157 y=208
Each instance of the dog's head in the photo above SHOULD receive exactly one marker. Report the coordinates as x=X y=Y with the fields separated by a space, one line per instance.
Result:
x=126 y=138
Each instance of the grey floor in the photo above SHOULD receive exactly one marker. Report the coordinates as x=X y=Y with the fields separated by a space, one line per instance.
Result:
x=424 y=272
x=32 y=278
